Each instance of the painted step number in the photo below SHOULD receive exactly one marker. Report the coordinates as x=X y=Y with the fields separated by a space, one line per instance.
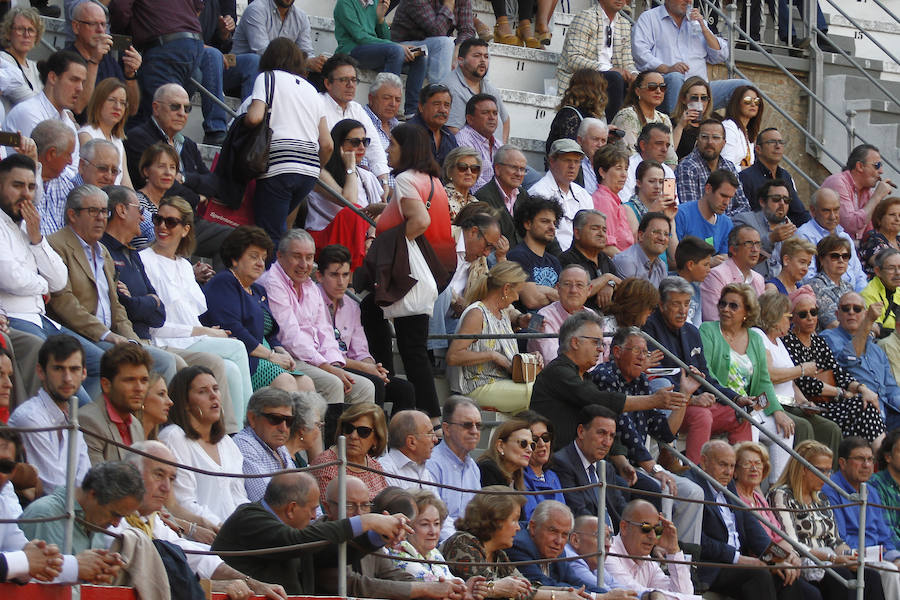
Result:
x=541 y=113
x=520 y=65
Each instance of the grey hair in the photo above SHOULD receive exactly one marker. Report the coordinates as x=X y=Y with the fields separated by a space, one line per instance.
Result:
x=294 y=235
x=77 y=196
x=118 y=194
x=502 y=151
x=383 y=79
x=112 y=481
x=165 y=89
x=77 y=12
x=309 y=407
x=588 y=122
x=453 y=402
x=573 y=325
x=88 y=150
x=573 y=267
x=545 y=509
x=623 y=333
x=456 y=154
x=146 y=446
x=582 y=215
x=51 y=133
x=885 y=254
x=268 y=397
x=817 y=195
x=289 y=487
x=402 y=424
x=674 y=285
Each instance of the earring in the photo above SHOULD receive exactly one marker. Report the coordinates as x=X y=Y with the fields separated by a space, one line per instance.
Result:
x=200 y=410
x=142 y=406
x=502 y=453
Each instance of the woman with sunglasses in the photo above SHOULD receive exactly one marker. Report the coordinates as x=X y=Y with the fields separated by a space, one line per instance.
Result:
x=20 y=32
x=305 y=441
x=537 y=476
x=461 y=170
x=170 y=272
x=365 y=428
x=830 y=387
x=885 y=233
x=107 y=111
x=692 y=107
x=159 y=166
x=330 y=222
x=507 y=456
x=644 y=96
x=743 y=117
x=796 y=255
x=833 y=256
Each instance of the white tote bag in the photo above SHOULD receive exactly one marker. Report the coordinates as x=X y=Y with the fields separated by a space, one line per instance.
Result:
x=420 y=299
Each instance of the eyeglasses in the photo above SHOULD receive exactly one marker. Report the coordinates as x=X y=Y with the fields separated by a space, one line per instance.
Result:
x=839 y=255
x=356 y=142
x=575 y=285
x=633 y=350
x=345 y=80
x=342 y=345
x=466 y=168
x=105 y=169
x=93 y=211
x=608 y=36
x=7 y=466
x=750 y=244
x=175 y=106
x=25 y=31
x=354 y=508
x=862 y=459
x=703 y=98
x=515 y=168
x=362 y=431
x=169 y=222
x=487 y=244
x=116 y=102
x=750 y=100
x=432 y=434
x=751 y=464
x=813 y=312
x=775 y=142
x=92 y=24
x=661 y=233
x=826 y=471
x=731 y=305
x=877 y=164
x=598 y=341
x=846 y=308
x=545 y=437
x=276 y=420
x=781 y=199
x=468 y=425
x=647 y=527
x=653 y=86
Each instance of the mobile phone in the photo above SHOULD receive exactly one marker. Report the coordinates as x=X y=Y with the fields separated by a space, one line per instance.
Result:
x=619 y=133
x=536 y=322
x=669 y=188
x=10 y=138
x=230 y=61
x=762 y=401
x=121 y=42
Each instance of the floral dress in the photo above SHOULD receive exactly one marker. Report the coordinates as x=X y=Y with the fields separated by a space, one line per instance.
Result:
x=828 y=293
x=463 y=547
x=456 y=201
x=872 y=244
x=421 y=571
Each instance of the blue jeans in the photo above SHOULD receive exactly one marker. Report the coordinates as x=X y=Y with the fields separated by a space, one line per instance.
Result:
x=174 y=62
x=389 y=57
x=276 y=197
x=90 y=388
x=784 y=17
x=216 y=78
x=440 y=55
x=721 y=90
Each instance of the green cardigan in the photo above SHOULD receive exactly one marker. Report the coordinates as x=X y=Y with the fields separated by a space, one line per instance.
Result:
x=355 y=24
x=718 y=359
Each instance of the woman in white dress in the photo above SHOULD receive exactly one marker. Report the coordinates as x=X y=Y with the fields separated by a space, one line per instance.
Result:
x=107 y=112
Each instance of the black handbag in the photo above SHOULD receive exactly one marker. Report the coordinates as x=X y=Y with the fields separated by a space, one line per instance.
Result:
x=257 y=147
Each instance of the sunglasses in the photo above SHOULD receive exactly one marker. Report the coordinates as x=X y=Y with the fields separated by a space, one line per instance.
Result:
x=362 y=431
x=647 y=527
x=357 y=142
x=468 y=425
x=464 y=168
x=170 y=222
x=813 y=312
x=174 y=106
x=839 y=255
x=877 y=164
x=276 y=420
x=749 y=100
x=731 y=305
x=523 y=444
x=7 y=466
x=653 y=86
x=846 y=308
x=544 y=437
x=608 y=36
x=703 y=98
x=781 y=199
x=342 y=345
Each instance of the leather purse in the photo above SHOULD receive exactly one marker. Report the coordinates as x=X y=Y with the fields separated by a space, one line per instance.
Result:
x=826 y=377
x=525 y=368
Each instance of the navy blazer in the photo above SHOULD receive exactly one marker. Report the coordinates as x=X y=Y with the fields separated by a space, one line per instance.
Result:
x=143 y=311
x=714 y=541
x=567 y=465
x=561 y=574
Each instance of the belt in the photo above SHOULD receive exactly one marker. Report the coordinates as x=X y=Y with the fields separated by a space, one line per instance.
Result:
x=170 y=37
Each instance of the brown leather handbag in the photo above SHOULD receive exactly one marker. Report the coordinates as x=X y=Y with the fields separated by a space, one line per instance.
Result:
x=826 y=377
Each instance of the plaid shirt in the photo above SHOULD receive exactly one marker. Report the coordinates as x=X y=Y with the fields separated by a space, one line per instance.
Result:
x=585 y=38
x=890 y=496
x=420 y=19
x=691 y=175
x=50 y=202
x=259 y=458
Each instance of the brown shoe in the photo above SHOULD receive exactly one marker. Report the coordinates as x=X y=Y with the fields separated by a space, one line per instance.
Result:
x=525 y=34
x=483 y=31
x=503 y=33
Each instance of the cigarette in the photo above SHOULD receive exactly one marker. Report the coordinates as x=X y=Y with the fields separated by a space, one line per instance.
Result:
x=891 y=183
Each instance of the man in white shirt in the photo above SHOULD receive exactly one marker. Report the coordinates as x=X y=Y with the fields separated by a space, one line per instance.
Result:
x=411 y=438
x=559 y=184
x=592 y=134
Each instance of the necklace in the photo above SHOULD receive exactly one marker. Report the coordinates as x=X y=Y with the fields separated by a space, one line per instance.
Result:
x=246 y=287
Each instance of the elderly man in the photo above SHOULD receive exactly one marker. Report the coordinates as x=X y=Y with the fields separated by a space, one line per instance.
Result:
x=573 y=287
x=55 y=142
x=411 y=438
x=470 y=78
x=772 y=224
x=282 y=518
x=641 y=530
x=159 y=480
x=653 y=143
x=583 y=541
x=506 y=189
x=693 y=172
x=669 y=40
x=385 y=100
x=743 y=254
x=769 y=153
x=860 y=188
x=89 y=302
x=825 y=206
x=433 y=111
x=591 y=135
x=589 y=229
x=705 y=218
x=642 y=259
x=559 y=184
x=857 y=353
x=884 y=289
x=302 y=316
x=479 y=133
x=270 y=413
x=124 y=378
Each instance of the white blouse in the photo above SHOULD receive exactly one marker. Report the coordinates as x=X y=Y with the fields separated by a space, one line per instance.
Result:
x=322 y=210
x=213 y=498
x=737 y=147
x=184 y=300
x=781 y=359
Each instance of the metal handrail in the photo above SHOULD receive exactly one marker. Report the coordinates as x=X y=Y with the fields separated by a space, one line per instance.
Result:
x=887 y=10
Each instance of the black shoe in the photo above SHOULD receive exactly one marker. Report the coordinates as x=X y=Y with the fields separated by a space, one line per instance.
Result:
x=49 y=11
x=214 y=138
x=826 y=45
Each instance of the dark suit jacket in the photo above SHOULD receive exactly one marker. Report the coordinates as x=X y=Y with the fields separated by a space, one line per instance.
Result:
x=567 y=465
x=491 y=194
x=95 y=418
x=75 y=306
x=714 y=541
x=561 y=575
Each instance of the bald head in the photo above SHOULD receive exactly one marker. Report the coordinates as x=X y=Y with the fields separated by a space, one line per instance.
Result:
x=637 y=514
x=357 y=498
x=158 y=477
x=717 y=458
x=290 y=487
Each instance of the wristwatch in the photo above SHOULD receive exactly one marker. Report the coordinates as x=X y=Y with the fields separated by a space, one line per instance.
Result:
x=611 y=283
x=657 y=468
x=349 y=171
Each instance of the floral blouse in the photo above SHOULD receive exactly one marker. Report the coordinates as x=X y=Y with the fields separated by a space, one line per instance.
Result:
x=456 y=201
x=814 y=529
x=629 y=121
x=421 y=571
x=827 y=296
x=818 y=351
x=465 y=547
x=872 y=244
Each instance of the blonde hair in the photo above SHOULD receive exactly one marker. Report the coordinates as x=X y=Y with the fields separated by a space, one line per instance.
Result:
x=792 y=476
x=503 y=273
x=759 y=449
x=797 y=245
x=751 y=304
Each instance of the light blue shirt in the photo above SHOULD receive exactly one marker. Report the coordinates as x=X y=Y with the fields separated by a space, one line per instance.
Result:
x=656 y=40
x=94 y=255
x=447 y=468
x=814 y=232
x=261 y=23
x=585 y=575
x=873 y=368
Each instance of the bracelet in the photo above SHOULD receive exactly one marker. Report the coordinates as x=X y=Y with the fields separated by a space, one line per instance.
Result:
x=801 y=369
x=191 y=531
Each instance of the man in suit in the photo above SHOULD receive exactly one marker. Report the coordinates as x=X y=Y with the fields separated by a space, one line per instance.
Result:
x=505 y=189
x=735 y=538
x=89 y=303
x=124 y=378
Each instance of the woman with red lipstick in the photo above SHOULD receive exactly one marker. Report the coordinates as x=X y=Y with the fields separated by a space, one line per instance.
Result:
x=107 y=112
x=646 y=93
x=504 y=462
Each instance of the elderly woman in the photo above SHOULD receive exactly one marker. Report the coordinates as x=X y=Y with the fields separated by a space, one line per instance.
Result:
x=611 y=168
x=507 y=455
x=462 y=169
x=20 y=32
x=833 y=389
x=485 y=365
x=885 y=233
x=882 y=289
x=305 y=440
x=693 y=106
x=537 y=476
x=645 y=95
x=236 y=303
x=365 y=428
x=155 y=408
x=833 y=256
x=796 y=254
x=808 y=519
x=196 y=436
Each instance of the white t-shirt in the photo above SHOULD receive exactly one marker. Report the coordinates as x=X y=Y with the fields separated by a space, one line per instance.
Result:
x=781 y=359
x=180 y=294
x=296 y=112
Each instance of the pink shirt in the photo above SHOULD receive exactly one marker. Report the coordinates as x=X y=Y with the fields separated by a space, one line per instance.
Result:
x=509 y=200
x=641 y=575
x=618 y=231
x=718 y=278
x=347 y=321
x=757 y=501
x=853 y=215
x=304 y=324
x=554 y=315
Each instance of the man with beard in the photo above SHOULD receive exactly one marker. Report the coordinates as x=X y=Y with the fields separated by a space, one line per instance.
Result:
x=435 y=102
x=772 y=224
x=743 y=254
x=693 y=171
x=270 y=413
x=882 y=289
x=469 y=79
x=769 y=153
